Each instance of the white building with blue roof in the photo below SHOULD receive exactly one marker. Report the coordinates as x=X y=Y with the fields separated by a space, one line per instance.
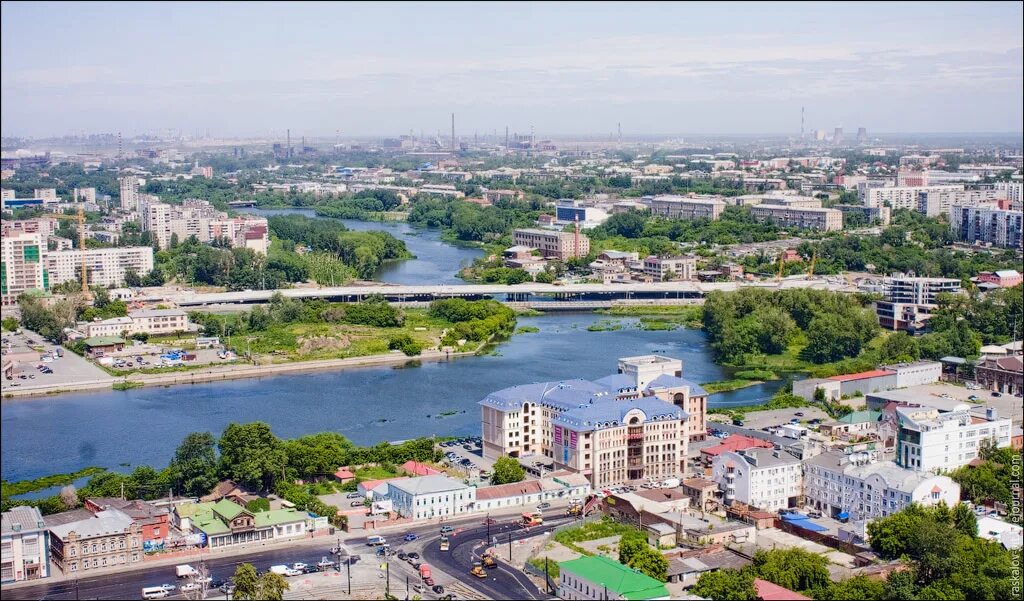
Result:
x=627 y=427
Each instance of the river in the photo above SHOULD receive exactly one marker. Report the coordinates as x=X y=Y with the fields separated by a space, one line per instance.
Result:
x=123 y=429
x=436 y=262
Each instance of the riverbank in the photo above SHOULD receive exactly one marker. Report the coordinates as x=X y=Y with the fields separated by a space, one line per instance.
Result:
x=238 y=372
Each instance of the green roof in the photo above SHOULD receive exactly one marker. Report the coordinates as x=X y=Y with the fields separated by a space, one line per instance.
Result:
x=859 y=417
x=103 y=340
x=228 y=510
x=279 y=516
x=619 y=579
x=213 y=518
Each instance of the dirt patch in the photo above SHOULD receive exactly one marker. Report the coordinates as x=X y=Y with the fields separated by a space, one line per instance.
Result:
x=319 y=344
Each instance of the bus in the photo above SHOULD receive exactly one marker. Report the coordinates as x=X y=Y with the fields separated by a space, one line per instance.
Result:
x=532 y=518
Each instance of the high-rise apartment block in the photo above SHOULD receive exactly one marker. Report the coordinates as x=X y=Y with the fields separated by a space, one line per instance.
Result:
x=987 y=225
x=129 y=193
x=22 y=267
x=936 y=202
x=104 y=266
x=901 y=197
x=828 y=220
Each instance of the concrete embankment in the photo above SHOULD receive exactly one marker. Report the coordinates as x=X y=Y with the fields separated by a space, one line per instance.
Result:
x=236 y=372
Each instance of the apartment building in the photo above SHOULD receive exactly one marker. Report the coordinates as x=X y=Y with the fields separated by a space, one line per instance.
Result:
x=828 y=220
x=105 y=539
x=768 y=479
x=936 y=202
x=105 y=266
x=83 y=195
x=568 y=210
x=199 y=219
x=47 y=195
x=684 y=207
x=901 y=197
x=987 y=225
x=552 y=244
x=24 y=545
x=493 y=196
x=1011 y=191
x=242 y=232
x=930 y=440
x=129 y=192
x=918 y=290
x=625 y=427
x=671 y=268
x=22 y=267
x=856 y=487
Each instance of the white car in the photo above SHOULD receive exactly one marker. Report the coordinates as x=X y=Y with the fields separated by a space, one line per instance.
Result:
x=299 y=566
x=190 y=586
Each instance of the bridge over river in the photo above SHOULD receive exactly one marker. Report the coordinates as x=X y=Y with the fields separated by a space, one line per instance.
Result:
x=549 y=296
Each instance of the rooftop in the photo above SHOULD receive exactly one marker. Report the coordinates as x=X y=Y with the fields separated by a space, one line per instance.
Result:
x=103 y=341
x=21 y=519
x=768 y=591
x=862 y=375
x=619 y=579
x=104 y=523
x=736 y=442
x=425 y=485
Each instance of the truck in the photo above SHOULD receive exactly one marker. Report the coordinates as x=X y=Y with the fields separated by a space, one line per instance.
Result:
x=424 y=571
x=670 y=483
x=375 y=540
x=185 y=570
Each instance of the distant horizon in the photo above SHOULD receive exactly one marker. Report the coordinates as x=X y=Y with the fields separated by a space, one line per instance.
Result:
x=578 y=68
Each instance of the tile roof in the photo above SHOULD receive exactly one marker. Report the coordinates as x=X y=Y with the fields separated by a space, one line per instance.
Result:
x=502 y=491
x=618 y=578
x=104 y=523
x=419 y=469
x=736 y=442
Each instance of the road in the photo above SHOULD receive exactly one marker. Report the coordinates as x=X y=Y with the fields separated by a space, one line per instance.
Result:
x=470 y=534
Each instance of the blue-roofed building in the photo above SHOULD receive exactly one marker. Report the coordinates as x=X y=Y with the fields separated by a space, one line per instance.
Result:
x=626 y=427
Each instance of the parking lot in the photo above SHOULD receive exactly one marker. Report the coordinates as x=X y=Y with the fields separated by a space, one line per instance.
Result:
x=68 y=371
x=466 y=455
x=758 y=420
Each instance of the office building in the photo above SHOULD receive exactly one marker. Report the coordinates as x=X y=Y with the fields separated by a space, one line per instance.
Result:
x=129 y=193
x=856 y=487
x=22 y=268
x=26 y=545
x=671 y=268
x=987 y=225
x=901 y=197
x=828 y=220
x=931 y=440
x=104 y=266
x=553 y=245
x=684 y=207
x=626 y=427
x=768 y=479
x=147 y=321
x=909 y=289
x=936 y=202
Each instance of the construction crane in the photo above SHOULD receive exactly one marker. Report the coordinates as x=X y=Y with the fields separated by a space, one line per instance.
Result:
x=814 y=259
x=80 y=218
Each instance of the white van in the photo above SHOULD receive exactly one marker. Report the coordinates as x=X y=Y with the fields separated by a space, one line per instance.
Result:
x=375 y=540
x=155 y=592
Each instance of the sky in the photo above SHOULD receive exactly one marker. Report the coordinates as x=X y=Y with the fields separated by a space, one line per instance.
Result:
x=366 y=69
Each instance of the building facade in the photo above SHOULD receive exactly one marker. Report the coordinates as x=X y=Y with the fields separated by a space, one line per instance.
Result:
x=930 y=440
x=768 y=479
x=24 y=545
x=987 y=225
x=428 y=497
x=104 y=266
x=671 y=268
x=1002 y=374
x=901 y=197
x=936 y=202
x=22 y=267
x=108 y=538
x=828 y=220
x=684 y=207
x=129 y=193
x=599 y=578
x=881 y=215
x=554 y=245
x=856 y=487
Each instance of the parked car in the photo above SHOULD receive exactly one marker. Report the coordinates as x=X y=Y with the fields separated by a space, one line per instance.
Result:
x=414 y=555
x=995 y=393
x=799 y=414
x=437 y=588
x=356 y=504
x=353 y=495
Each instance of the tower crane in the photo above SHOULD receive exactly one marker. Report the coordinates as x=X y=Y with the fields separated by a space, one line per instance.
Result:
x=80 y=218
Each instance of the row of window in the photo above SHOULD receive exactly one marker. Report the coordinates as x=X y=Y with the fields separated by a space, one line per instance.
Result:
x=100 y=548
x=102 y=562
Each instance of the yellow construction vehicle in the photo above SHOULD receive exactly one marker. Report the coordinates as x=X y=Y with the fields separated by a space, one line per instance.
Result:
x=488 y=561
x=478 y=572
x=80 y=218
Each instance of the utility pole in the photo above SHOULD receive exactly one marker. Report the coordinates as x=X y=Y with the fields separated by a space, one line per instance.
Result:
x=387 y=577
x=510 y=545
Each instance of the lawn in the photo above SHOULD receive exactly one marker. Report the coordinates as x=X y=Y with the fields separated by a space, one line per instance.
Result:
x=591 y=531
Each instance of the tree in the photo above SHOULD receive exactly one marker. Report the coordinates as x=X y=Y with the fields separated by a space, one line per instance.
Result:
x=195 y=462
x=258 y=504
x=726 y=585
x=250 y=454
x=831 y=337
x=858 y=588
x=899 y=347
x=964 y=520
x=629 y=545
x=69 y=496
x=795 y=569
x=651 y=562
x=507 y=470
x=250 y=586
x=132 y=279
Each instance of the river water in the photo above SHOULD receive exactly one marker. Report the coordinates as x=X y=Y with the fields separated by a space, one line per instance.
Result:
x=123 y=429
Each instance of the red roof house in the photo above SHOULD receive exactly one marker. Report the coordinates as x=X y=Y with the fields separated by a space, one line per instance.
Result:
x=415 y=468
x=344 y=475
x=769 y=591
x=735 y=442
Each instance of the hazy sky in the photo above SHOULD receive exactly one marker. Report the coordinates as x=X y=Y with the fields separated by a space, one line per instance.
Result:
x=574 y=68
